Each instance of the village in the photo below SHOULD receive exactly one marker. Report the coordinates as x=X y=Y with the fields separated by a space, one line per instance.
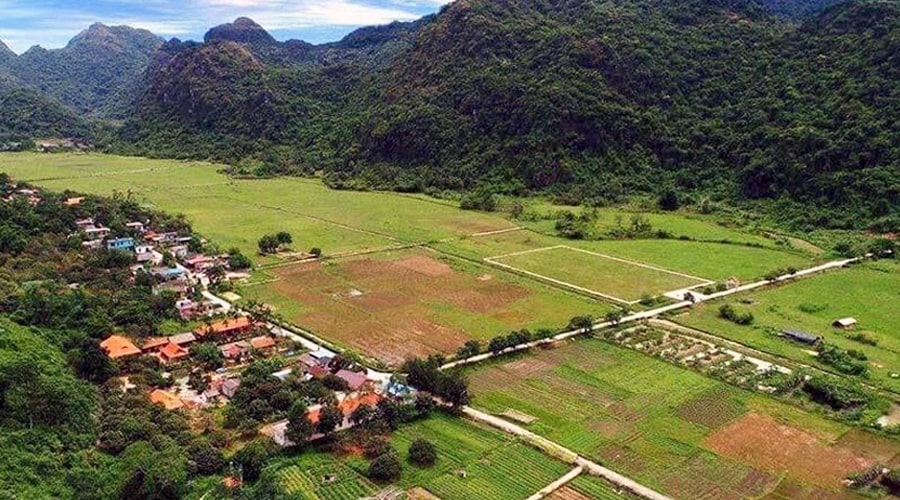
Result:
x=200 y=369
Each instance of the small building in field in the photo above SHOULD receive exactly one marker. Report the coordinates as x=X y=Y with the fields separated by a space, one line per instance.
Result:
x=136 y=226
x=802 y=337
x=845 y=323
x=75 y=201
x=118 y=347
x=235 y=350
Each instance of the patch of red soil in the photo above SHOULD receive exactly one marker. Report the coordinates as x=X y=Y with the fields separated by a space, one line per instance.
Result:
x=764 y=443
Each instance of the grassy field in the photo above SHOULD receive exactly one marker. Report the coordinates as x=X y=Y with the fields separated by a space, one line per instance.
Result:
x=712 y=261
x=868 y=292
x=686 y=435
x=495 y=466
x=608 y=277
x=238 y=212
x=394 y=305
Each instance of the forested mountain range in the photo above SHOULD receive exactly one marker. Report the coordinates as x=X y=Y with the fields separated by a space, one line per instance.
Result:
x=730 y=99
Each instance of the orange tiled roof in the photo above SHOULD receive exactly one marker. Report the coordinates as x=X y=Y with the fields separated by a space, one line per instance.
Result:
x=349 y=405
x=119 y=347
x=161 y=397
x=225 y=327
x=154 y=342
x=173 y=351
x=262 y=342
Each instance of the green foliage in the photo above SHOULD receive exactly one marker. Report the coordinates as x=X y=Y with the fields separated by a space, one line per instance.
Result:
x=386 y=467
x=850 y=362
x=727 y=311
x=837 y=393
x=422 y=453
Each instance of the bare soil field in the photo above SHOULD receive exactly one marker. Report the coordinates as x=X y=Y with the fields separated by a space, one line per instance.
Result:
x=387 y=306
x=765 y=443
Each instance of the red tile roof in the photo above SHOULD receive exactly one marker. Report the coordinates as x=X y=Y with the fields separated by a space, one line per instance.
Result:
x=161 y=397
x=225 y=327
x=172 y=352
x=119 y=347
x=262 y=342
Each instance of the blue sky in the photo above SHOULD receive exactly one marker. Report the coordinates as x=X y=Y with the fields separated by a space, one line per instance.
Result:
x=51 y=24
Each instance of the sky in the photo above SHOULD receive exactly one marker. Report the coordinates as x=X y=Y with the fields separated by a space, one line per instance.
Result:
x=52 y=23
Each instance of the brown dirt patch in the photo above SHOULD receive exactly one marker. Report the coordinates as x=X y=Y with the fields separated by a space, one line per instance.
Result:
x=878 y=447
x=424 y=265
x=764 y=443
x=380 y=301
x=712 y=409
x=625 y=460
x=484 y=297
x=567 y=493
x=419 y=493
x=609 y=428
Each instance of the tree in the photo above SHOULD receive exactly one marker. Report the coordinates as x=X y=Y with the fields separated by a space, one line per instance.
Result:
x=284 y=238
x=469 y=349
x=209 y=355
x=148 y=473
x=238 y=261
x=581 y=323
x=92 y=363
x=268 y=244
x=454 y=387
x=498 y=344
x=205 y=459
x=386 y=467
x=669 y=200
x=615 y=316
x=253 y=457
x=299 y=428
x=330 y=417
x=316 y=252
x=422 y=452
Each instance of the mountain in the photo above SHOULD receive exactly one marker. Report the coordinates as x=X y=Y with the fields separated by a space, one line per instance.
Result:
x=5 y=53
x=29 y=114
x=797 y=10
x=95 y=74
x=243 y=31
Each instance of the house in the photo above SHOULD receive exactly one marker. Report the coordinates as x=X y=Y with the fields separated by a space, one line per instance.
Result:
x=169 y=401
x=235 y=350
x=798 y=336
x=235 y=326
x=84 y=223
x=136 y=226
x=262 y=343
x=120 y=244
x=183 y=339
x=71 y=202
x=320 y=357
x=168 y=273
x=354 y=379
x=146 y=253
x=118 y=347
x=351 y=403
x=199 y=262
x=172 y=353
x=179 y=251
x=230 y=387
x=154 y=344
x=92 y=244
x=845 y=323
x=282 y=375
x=398 y=390
x=97 y=232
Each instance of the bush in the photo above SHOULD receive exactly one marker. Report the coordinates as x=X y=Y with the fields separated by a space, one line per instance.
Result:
x=849 y=362
x=836 y=393
x=377 y=446
x=316 y=252
x=386 y=467
x=422 y=452
x=728 y=312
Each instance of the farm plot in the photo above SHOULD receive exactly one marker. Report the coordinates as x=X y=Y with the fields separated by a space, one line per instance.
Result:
x=713 y=261
x=472 y=462
x=866 y=292
x=395 y=305
x=597 y=274
x=659 y=423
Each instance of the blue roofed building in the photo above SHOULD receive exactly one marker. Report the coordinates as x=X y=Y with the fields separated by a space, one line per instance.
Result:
x=120 y=244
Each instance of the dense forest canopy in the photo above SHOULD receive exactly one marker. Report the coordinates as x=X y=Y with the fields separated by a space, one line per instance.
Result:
x=743 y=101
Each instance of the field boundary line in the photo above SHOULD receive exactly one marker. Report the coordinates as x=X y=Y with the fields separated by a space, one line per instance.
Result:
x=499 y=231
x=559 y=483
x=526 y=252
x=564 y=284
x=703 y=281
